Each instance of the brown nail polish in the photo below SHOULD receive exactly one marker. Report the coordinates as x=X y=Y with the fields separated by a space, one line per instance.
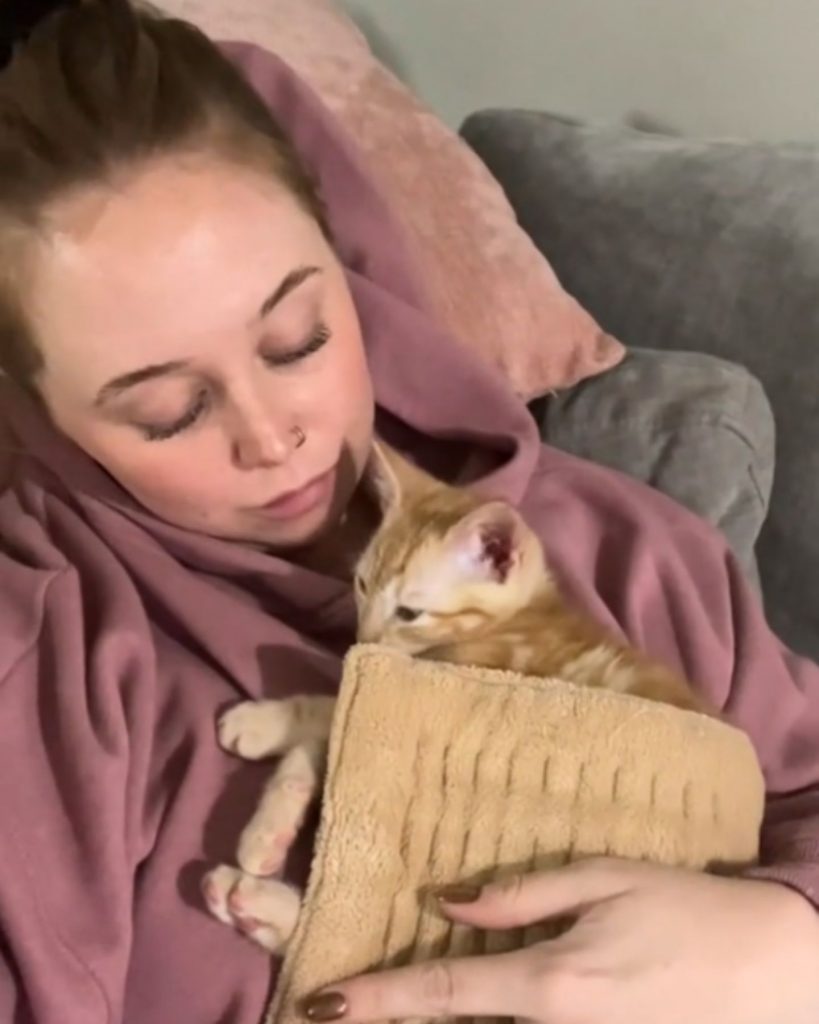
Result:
x=325 y=1007
x=458 y=893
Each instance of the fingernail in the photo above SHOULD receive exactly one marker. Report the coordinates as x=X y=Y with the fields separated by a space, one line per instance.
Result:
x=325 y=1007
x=458 y=893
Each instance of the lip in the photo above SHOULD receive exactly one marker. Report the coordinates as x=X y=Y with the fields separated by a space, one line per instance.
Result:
x=302 y=500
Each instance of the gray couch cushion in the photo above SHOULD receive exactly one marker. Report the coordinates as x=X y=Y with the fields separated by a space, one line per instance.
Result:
x=680 y=244
x=698 y=428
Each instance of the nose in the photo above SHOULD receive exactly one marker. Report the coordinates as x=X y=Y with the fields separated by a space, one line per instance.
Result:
x=260 y=441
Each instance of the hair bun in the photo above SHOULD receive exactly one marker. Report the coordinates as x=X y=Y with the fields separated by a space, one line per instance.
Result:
x=19 y=17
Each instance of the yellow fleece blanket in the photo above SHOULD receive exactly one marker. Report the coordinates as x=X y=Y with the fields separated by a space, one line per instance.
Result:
x=439 y=774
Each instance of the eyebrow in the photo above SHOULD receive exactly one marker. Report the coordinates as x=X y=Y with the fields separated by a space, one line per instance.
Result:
x=128 y=380
x=117 y=385
x=289 y=284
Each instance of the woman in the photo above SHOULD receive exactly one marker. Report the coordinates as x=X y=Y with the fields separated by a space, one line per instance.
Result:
x=196 y=357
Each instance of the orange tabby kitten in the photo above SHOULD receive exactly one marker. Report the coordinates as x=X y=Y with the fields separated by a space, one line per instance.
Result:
x=446 y=576
x=457 y=579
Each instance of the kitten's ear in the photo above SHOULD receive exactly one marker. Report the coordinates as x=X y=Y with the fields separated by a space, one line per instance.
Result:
x=391 y=479
x=488 y=543
x=381 y=479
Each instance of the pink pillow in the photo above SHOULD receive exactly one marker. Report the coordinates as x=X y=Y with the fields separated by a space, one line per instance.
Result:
x=490 y=285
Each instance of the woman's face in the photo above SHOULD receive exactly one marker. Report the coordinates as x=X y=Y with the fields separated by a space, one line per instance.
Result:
x=201 y=344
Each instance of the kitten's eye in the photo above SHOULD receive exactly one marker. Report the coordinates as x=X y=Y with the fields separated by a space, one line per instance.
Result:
x=406 y=614
x=360 y=586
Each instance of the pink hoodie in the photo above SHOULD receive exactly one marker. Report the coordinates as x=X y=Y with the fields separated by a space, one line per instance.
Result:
x=122 y=638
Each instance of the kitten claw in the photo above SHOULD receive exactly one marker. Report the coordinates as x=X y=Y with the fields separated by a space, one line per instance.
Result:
x=216 y=888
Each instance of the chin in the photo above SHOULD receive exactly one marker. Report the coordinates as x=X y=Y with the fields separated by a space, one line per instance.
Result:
x=404 y=645
x=298 y=533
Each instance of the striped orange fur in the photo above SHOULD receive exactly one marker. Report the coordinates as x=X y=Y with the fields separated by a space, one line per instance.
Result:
x=453 y=578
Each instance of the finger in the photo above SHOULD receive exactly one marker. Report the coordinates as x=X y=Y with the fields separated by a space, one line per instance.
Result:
x=481 y=986
x=527 y=899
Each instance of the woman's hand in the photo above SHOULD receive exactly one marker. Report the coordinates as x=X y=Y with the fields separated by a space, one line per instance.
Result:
x=649 y=944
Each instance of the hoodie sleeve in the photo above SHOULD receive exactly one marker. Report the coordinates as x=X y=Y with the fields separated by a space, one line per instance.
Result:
x=73 y=752
x=774 y=696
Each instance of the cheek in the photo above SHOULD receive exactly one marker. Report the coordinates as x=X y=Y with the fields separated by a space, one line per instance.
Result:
x=176 y=481
x=340 y=398
x=418 y=634
x=350 y=356
x=432 y=631
x=192 y=502
x=344 y=393
x=169 y=479
x=407 y=639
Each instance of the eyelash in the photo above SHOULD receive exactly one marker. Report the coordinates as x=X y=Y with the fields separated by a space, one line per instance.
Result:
x=190 y=417
x=317 y=340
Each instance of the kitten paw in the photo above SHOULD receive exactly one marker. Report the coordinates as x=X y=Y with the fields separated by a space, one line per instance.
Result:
x=216 y=888
x=264 y=852
x=263 y=909
x=268 y=836
x=256 y=729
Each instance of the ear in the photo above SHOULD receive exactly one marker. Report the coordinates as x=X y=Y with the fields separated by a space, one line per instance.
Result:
x=381 y=479
x=391 y=479
x=488 y=543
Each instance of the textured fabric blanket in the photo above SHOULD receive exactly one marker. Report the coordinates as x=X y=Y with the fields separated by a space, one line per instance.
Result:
x=439 y=773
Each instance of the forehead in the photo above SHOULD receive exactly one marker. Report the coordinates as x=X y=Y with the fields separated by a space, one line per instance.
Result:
x=177 y=253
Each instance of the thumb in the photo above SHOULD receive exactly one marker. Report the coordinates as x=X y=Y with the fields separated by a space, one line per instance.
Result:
x=527 y=899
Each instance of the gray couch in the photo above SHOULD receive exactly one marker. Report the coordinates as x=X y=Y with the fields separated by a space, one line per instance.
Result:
x=704 y=259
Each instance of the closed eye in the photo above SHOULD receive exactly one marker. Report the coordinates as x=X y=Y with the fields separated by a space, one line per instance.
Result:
x=157 y=432
x=405 y=614
x=317 y=340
